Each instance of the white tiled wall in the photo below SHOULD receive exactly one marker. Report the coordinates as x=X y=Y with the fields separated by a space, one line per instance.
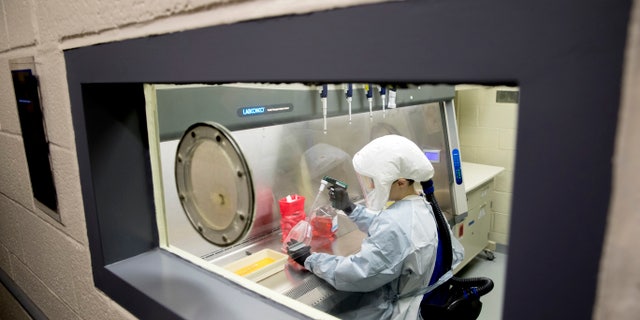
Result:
x=488 y=136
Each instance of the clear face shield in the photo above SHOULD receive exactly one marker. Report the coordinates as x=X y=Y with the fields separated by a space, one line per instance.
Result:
x=367 y=186
x=375 y=196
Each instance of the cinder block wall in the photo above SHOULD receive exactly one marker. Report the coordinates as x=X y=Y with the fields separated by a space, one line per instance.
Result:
x=488 y=136
x=49 y=260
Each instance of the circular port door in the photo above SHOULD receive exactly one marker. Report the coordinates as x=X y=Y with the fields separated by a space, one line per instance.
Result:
x=214 y=183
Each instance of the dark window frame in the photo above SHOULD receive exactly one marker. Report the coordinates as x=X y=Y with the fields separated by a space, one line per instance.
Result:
x=566 y=58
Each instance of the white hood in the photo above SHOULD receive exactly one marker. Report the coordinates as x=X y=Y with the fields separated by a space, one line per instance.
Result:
x=387 y=159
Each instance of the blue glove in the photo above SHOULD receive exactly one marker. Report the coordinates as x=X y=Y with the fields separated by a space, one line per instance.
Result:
x=298 y=251
x=340 y=199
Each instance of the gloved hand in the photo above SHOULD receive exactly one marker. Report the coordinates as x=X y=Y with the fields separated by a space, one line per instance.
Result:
x=298 y=251
x=340 y=199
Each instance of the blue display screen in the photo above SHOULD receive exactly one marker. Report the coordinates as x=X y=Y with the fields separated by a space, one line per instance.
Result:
x=433 y=156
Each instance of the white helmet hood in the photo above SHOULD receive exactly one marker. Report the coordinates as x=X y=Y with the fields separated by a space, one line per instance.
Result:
x=387 y=159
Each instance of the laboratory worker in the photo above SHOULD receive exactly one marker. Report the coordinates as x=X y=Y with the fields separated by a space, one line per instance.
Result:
x=396 y=259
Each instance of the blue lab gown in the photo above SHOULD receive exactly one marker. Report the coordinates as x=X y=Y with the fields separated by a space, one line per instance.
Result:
x=395 y=261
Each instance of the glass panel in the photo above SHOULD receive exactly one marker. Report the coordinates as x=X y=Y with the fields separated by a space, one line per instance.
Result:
x=288 y=141
x=34 y=135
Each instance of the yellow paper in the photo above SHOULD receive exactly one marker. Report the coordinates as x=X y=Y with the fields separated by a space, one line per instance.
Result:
x=253 y=267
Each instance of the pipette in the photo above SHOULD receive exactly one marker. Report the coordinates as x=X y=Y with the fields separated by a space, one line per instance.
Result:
x=349 y=94
x=323 y=184
x=383 y=94
x=392 y=98
x=369 y=89
x=323 y=98
x=335 y=182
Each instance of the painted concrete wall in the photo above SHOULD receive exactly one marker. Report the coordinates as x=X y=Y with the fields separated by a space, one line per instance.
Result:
x=48 y=260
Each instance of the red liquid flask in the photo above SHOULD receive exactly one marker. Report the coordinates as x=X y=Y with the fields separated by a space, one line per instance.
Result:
x=291 y=212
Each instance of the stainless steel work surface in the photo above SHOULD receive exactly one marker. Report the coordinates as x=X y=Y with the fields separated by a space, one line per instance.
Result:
x=298 y=283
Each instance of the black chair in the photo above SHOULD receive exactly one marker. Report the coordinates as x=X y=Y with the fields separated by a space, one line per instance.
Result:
x=463 y=301
x=458 y=298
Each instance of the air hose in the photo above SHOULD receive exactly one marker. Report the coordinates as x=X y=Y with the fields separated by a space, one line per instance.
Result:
x=473 y=287
x=480 y=286
x=443 y=229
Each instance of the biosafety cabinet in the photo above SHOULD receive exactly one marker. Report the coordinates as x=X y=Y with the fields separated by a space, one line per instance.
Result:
x=225 y=155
